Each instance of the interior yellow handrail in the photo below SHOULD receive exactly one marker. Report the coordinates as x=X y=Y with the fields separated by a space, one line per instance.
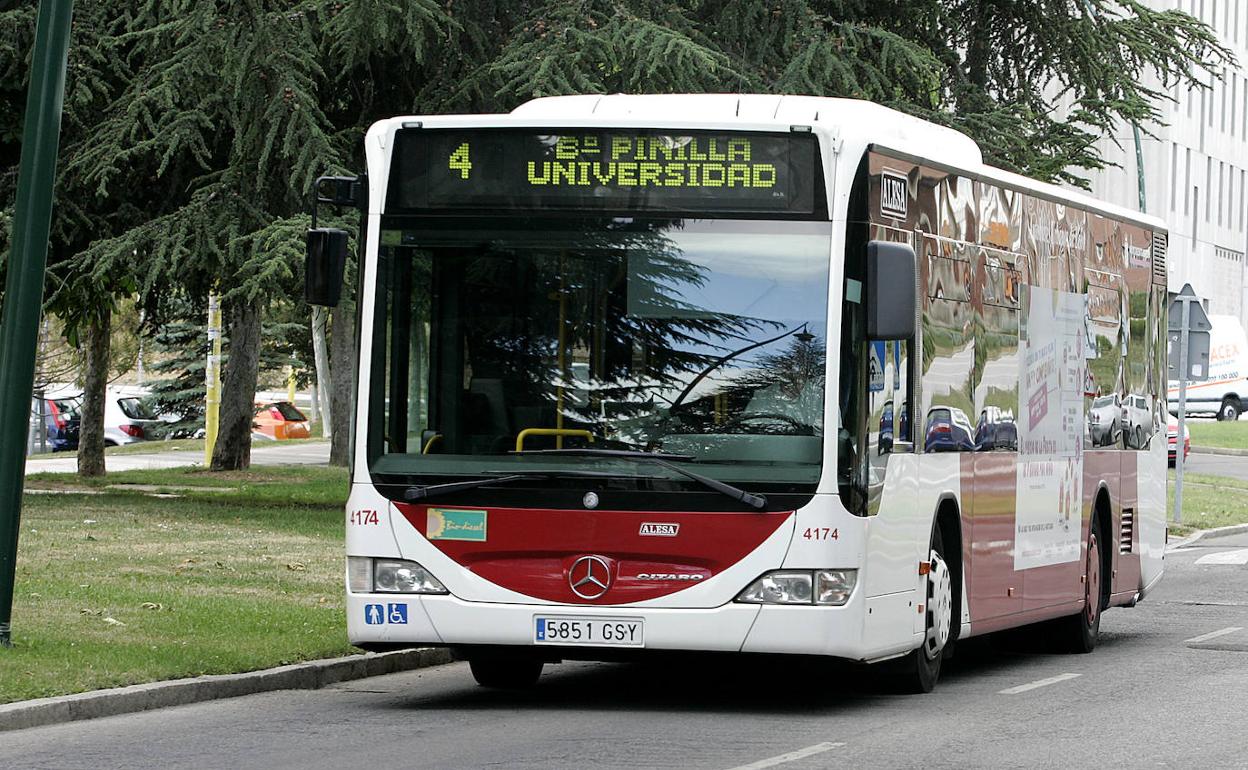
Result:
x=429 y=444
x=568 y=432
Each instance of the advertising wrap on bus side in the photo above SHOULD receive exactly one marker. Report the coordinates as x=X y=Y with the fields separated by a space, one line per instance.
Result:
x=1225 y=393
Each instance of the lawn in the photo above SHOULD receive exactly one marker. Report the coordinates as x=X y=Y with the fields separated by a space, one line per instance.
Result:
x=1208 y=502
x=224 y=572
x=1223 y=435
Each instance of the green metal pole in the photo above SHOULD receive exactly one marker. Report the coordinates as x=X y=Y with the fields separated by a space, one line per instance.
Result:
x=23 y=295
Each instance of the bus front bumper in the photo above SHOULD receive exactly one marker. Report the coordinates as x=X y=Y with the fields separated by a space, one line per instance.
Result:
x=377 y=621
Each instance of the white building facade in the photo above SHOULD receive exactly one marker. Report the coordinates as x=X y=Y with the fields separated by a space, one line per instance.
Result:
x=1196 y=169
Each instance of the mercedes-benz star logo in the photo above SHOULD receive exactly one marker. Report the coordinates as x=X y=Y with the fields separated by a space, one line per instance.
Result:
x=590 y=577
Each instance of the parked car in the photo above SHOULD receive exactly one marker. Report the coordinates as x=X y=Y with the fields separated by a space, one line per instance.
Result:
x=948 y=430
x=280 y=420
x=129 y=419
x=1137 y=420
x=996 y=430
x=60 y=425
x=1105 y=420
x=1172 y=436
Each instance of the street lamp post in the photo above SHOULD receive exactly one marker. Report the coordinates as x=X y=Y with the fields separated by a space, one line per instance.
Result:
x=23 y=296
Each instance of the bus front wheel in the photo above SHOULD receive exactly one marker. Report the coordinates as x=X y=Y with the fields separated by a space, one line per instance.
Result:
x=918 y=671
x=506 y=673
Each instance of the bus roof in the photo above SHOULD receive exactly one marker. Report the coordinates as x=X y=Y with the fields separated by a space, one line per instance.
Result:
x=864 y=122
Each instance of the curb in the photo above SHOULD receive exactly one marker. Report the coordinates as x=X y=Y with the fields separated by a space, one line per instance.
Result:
x=1213 y=450
x=1203 y=534
x=178 y=692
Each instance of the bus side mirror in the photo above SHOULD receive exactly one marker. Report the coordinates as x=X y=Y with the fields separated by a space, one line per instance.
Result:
x=326 y=258
x=890 y=300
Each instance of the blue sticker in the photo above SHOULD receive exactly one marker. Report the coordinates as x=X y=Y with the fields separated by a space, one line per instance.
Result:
x=374 y=614
x=541 y=629
x=398 y=614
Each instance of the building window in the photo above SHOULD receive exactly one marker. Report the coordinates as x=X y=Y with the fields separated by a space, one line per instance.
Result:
x=1187 y=181
x=1234 y=100
x=1208 y=184
x=1221 y=189
x=1222 y=111
x=1174 y=174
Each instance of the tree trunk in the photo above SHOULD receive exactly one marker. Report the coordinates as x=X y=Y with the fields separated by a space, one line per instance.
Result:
x=238 y=388
x=320 y=316
x=342 y=380
x=94 y=392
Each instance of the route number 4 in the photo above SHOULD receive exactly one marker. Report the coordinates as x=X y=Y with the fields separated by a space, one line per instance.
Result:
x=821 y=533
x=459 y=161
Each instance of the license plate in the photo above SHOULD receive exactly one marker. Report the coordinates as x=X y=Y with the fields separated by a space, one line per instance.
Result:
x=599 y=632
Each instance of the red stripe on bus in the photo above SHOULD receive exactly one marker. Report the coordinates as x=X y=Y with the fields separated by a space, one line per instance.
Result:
x=531 y=551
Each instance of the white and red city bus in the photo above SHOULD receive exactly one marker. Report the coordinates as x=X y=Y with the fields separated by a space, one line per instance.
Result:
x=747 y=374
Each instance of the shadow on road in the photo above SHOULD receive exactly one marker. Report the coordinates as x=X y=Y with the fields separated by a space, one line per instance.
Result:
x=746 y=683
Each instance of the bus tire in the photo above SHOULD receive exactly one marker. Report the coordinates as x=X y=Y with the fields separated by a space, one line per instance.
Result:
x=1081 y=631
x=1229 y=411
x=918 y=671
x=506 y=673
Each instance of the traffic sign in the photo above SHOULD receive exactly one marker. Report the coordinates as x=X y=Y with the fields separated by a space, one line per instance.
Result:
x=875 y=367
x=1198 y=322
x=1197 y=356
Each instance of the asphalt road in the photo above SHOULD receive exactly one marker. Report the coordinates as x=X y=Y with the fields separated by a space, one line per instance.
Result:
x=274 y=453
x=1167 y=687
x=1217 y=465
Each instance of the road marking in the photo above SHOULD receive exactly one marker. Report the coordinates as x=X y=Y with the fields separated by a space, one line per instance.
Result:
x=792 y=756
x=1225 y=557
x=1038 y=683
x=1212 y=635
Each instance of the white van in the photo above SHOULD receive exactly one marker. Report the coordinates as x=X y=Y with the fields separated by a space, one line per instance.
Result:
x=1225 y=393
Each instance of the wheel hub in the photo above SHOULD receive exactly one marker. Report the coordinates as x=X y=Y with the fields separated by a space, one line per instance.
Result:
x=939 y=606
x=1093 y=597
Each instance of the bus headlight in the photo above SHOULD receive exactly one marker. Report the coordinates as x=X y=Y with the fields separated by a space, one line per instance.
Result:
x=828 y=587
x=365 y=575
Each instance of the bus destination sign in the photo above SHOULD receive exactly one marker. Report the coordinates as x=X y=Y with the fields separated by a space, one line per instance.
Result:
x=696 y=171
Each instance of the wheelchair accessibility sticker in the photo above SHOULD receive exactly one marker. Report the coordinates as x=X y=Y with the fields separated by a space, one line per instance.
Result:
x=380 y=614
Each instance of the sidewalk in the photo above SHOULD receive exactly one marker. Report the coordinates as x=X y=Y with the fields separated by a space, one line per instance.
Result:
x=178 y=692
x=305 y=453
x=1214 y=450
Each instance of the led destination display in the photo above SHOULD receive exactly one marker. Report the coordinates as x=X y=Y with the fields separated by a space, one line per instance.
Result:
x=696 y=171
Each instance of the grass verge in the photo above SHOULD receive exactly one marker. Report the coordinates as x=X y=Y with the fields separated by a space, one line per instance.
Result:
x=238 y=571
x=1208 y=502
x=1222 y=435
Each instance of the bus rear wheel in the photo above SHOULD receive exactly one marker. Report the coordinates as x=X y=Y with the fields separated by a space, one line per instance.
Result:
x=918 y=671
x=506 y=673
x=1082 y=630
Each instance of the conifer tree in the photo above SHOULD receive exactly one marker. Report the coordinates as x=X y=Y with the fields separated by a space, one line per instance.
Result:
x=194 y=128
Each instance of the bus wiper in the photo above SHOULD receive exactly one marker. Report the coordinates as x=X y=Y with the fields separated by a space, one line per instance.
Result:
x=412 y=494
x=754 y=501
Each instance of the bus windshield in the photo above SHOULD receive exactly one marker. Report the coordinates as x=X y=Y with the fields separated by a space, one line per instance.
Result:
x=695 y=337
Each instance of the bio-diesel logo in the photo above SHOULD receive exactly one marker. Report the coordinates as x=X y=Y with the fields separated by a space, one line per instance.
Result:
x=893 y=194
x=659 y=530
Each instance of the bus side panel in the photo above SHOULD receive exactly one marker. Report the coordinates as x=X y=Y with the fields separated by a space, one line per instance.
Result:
x=897 y=540
x=1150 y=516
x=994 y=588
x=1063 y=583
x=1123 y=540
